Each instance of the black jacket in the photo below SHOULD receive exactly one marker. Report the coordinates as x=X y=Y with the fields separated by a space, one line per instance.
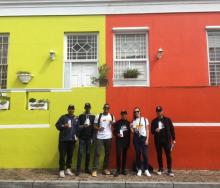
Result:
x=86 y=132
x=67 y=134
x=126 y=134
x=168 y=129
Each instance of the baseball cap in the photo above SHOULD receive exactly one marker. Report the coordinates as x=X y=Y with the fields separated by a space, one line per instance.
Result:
x=123 y=112
x=87 y=105
x=159 y=109
x=71 y=107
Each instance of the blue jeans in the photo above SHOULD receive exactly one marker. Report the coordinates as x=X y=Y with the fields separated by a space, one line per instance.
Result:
x=87 y=144
x=141 y=149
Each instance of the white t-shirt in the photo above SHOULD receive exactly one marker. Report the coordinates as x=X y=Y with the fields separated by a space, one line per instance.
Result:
x=105 y=122
x=141 y=125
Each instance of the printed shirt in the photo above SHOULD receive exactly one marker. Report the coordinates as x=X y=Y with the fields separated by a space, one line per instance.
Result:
x=140 y=124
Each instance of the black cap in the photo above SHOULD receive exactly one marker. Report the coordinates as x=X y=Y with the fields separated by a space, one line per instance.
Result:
x=71 y=107
x=159 y=109
x=87 y=105
x=123 y=112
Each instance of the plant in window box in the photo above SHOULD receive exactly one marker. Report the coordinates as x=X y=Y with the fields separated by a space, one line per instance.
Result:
x=102 y=79
x=24 y=77
x=131 y=73
x=41 y=104
x=4 y=102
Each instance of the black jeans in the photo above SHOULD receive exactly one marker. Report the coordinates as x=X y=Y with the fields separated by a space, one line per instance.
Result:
x=121 y=154
x=141 y=149
x=160 y=145
x=107 y=143
x=66 y=149
x=87 y=144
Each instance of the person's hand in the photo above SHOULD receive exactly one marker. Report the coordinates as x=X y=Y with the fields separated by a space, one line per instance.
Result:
x=174 y=142
x=101 y=129
x=66 y=125
x=146 y=142
x=157 y=130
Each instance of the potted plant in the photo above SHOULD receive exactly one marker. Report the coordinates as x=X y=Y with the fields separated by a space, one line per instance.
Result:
x=41 y=104
x=24 y=77
x=131 y=73
x=102 y=78
x=4 y=102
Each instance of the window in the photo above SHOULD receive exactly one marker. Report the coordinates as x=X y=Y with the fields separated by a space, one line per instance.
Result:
x=3 y=60
x=80 y=60
x=214 y=57
x=130 y=52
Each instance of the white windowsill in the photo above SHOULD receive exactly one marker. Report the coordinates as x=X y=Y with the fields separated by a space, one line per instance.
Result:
x=131 y=82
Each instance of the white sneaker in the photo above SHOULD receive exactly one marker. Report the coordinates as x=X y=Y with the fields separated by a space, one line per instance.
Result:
x=139 y=173
x=159 y=172
x=171 y=174
x=147 y=173
x=62 y=174
x=68 y=172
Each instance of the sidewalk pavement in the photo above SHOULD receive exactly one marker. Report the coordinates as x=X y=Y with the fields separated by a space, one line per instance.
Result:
x=48 y=178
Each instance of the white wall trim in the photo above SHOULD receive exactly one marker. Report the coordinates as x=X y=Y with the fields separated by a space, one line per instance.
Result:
x=208 y=124
x=24 y=126
x=103 y=7
x=213 y=27
x=17 y=90
x=130 y=29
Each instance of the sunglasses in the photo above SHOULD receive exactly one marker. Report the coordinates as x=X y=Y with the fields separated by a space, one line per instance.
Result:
x=136 y=111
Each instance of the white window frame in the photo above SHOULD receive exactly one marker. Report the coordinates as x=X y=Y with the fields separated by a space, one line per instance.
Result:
x=5 y=34
x=133 y=82
x=81 y=60
x=208 y=29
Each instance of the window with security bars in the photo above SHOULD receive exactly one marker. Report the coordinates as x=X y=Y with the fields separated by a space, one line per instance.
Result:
x=82 y=47
x=130 y=53
x=80 y=59
x=3 y=60
x=214 y=57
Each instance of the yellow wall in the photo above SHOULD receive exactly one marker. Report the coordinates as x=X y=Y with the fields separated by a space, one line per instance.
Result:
x=37 y=147
x=31 y=39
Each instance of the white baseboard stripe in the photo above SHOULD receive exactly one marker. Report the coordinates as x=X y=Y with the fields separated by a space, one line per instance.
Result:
x=197 y=124
x=24 y=126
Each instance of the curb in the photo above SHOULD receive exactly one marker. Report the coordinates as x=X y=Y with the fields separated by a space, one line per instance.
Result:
x=104 y=184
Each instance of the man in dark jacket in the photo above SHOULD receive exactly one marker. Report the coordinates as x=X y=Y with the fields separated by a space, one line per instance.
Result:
x=164 y=138
x=67 y=125
x=122 y=132
x=86 y=123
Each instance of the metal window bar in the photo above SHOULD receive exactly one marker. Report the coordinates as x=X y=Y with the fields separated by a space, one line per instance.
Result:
x=3 y=60
x=81 y=47
x=214 y=57
x=130 y=53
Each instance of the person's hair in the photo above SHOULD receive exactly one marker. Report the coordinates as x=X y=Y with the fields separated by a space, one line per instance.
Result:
x=134 y=117
x=106 y=104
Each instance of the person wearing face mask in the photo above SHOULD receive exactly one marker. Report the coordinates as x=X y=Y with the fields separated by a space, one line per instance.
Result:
x=139 y=127
x=164 y=138
x=103 y=123
x=86 y=122
x=67 y=125
x=122 y=132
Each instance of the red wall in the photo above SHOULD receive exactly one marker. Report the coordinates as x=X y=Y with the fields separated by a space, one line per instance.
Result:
x=197 y=147
x=179 y=82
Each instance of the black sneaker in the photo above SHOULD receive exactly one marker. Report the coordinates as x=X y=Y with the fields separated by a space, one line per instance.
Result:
x=88 y=171
x=124 y=172
x=117 y=173
x=77 y=173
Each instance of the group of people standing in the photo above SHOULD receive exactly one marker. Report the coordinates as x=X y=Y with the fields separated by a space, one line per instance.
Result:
x=88 y=128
